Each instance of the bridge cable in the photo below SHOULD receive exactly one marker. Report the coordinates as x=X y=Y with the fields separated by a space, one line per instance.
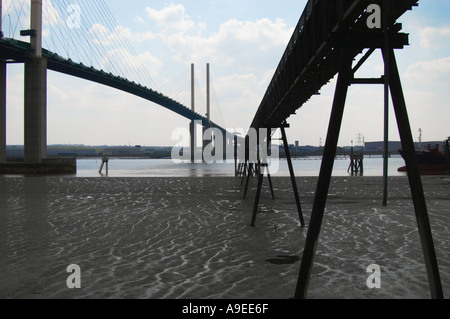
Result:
x=128 y=45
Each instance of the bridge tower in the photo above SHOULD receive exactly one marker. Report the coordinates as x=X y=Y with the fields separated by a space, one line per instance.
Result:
x=192 y=126
x=35 y=110
x=2 y=100
x=208 y=111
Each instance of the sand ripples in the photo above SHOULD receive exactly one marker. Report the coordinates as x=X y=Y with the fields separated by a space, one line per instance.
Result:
x=189 y=238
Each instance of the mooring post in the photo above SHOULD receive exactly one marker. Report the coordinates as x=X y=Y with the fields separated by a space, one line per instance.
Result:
x=105 y=160
x=351 y=168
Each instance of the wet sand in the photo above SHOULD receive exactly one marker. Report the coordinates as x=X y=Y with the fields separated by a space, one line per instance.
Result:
x=188 y=238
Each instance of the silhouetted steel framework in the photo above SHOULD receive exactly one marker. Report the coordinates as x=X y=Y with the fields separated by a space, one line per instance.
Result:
x=326 y=41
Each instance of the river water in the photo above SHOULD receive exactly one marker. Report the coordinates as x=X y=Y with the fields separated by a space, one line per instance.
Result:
x=167 y=168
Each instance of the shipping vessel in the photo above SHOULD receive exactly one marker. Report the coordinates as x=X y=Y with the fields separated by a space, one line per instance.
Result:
x=432 y=160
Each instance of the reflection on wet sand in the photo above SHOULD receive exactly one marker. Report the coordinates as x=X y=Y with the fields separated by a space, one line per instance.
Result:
x=189 y=238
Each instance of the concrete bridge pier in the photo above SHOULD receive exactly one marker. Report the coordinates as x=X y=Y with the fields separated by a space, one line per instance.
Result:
x=3 y=81
x=208 y=112
x=2 y=111
x=193 y=127
x=35 y=111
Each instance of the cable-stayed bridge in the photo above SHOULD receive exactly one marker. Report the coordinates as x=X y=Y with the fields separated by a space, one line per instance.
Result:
x=80 y=39
x=20 y=50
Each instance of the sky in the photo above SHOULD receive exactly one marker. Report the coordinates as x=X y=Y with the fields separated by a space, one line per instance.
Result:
x=243 y=41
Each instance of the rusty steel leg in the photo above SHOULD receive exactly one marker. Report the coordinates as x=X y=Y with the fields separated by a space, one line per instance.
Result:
x=292 y=174
x=345 y=76
x=415 y=180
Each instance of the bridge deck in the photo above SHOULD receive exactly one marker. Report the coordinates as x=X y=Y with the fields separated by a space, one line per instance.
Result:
x=311 y=58
x=18 y=51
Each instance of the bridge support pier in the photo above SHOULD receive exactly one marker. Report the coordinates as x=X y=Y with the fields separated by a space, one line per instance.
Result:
x=3 y=81
x=193 y=136
x=35 y=111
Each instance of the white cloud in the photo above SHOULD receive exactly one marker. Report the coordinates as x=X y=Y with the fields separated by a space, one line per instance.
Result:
x=235 y=40
x=263 y=33
x=240 y=96
x=119 y=60
x=171 y=19
x=51 y=14
x=434 y=38
x=435 y=72
x=102 y=36
x=145 y=36
x=133 y=64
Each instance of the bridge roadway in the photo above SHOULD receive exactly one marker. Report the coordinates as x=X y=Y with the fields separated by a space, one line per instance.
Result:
x=18 y=51
x=311 y=58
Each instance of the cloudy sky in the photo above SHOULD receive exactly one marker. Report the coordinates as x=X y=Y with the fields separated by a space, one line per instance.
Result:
x=243 y=41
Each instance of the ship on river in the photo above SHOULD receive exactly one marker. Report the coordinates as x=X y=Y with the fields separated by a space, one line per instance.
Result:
x=432 y=160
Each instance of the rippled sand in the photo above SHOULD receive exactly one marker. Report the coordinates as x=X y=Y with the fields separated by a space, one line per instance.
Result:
x=189 y=238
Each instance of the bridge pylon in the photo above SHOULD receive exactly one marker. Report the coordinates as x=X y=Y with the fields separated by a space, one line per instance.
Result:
x=35 y=108
x=192 y=126
x=3 y=81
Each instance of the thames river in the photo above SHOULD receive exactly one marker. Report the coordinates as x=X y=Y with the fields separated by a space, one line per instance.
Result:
x=166 y=167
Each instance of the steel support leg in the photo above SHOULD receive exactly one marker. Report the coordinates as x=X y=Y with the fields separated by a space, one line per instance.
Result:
x=415 y=180
x=345 y=76
x=292 y=174
x=261 y=169
x=244 y=172
x=270 y=180
x=249 y=175
x=258 y=194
